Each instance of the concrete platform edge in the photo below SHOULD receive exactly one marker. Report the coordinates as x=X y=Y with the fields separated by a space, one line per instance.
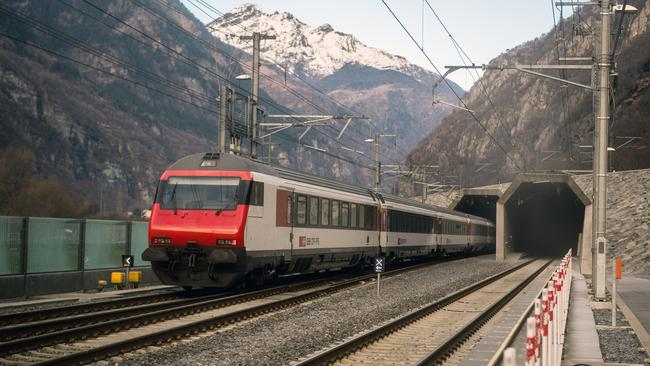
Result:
x=581 y=343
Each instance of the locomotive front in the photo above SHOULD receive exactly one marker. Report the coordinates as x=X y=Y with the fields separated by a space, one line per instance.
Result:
x=196 y=230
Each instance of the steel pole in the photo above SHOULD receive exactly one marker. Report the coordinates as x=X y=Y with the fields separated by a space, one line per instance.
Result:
x=255 y=78
x=223 y=103
x=600 y=166
x=377 y=163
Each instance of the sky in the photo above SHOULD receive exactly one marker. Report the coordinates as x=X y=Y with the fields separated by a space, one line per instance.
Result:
x=483 y=28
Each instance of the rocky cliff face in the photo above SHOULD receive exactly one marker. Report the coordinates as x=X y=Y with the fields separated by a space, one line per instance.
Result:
x=628 y=218
x=105 y=138
x=109 y=93
x=540 y=123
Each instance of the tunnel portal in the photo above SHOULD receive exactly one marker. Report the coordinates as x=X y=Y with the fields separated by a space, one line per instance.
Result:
x=541 y=215
x=477 y=204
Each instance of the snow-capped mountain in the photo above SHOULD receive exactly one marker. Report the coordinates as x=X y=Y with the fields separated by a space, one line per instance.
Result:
x=349 y=76
x=309 y=51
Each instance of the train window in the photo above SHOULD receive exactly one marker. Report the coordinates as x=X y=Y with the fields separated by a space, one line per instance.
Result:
x=313 y=211
x=301 y=214
x=362 y=216
x=289 y=213
x=324 y=212
x=353 y=215
x=371 y=217
x=345 y=218
x=202 y=193
x=257 y=194
x=335 y=213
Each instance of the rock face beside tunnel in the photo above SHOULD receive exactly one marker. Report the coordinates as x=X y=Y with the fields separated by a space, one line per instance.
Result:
x=628 y=218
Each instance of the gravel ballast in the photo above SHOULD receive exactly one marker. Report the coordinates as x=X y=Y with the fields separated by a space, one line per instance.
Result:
x=617 y=344
x=604 y=317
x=299 y=331
x=620 y=346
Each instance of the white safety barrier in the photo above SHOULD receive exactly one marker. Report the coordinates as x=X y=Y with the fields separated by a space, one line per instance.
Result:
x=545 y=329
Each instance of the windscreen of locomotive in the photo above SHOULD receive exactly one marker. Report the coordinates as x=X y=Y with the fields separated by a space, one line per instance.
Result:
x=205 y=193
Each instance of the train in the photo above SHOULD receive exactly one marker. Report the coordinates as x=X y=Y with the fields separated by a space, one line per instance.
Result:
x=221 y=220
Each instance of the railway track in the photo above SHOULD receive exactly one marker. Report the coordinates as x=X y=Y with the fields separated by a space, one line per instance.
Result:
x=87 y=338
x=430 y=335
x=89 y=307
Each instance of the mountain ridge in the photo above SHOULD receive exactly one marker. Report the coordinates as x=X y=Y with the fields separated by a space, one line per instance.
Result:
x=319 y=50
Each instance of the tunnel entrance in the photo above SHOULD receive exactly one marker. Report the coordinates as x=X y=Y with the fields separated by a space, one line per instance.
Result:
x=482 y=204
x=543 y=215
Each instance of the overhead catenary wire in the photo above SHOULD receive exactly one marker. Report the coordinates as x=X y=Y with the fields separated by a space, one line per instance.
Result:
x=245 y=65
x=189 y=61
x=463 y=55
x=564 y=94
x=55 y=53
x=85 y=47
x=223 y=52
x=115 y=60
x=276 y=62
x=273 y=61
x=345 y=107
x=478 y=121
x=619 y=28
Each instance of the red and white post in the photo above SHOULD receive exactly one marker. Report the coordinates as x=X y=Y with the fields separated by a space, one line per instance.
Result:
x=530 y=341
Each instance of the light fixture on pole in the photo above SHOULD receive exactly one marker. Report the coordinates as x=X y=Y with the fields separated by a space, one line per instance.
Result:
x=375 y=142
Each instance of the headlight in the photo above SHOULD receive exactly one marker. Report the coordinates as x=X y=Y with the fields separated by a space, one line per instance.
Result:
x=232 y=242
x=162 y=241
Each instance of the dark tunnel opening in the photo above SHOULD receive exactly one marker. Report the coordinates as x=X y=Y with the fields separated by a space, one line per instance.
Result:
x=544 y=219
x=479 y=205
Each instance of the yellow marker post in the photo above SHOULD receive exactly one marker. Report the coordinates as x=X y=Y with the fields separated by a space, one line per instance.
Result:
x=117 y=279
x=135 y=277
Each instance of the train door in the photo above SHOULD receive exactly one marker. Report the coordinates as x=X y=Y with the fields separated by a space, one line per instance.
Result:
x=438 y=231
x=286 y=220
x=468 y=231
x=382 y=219
x=387 y=239
x=291 y=199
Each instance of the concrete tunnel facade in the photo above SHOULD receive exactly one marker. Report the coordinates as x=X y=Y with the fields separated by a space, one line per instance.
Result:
x=544 y=215
x=480 y=202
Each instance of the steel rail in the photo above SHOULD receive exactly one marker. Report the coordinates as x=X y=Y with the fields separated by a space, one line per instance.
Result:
x=13 y=332
x=137 y=318
x=166 y=335
x=91 y=330
x=454 y=341
x=81 y=308
x=341 y=350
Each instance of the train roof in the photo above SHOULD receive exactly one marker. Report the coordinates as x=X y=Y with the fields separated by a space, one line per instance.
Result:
x=231 y=162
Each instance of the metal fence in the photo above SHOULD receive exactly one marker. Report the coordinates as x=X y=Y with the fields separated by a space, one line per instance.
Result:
x=31 y=245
